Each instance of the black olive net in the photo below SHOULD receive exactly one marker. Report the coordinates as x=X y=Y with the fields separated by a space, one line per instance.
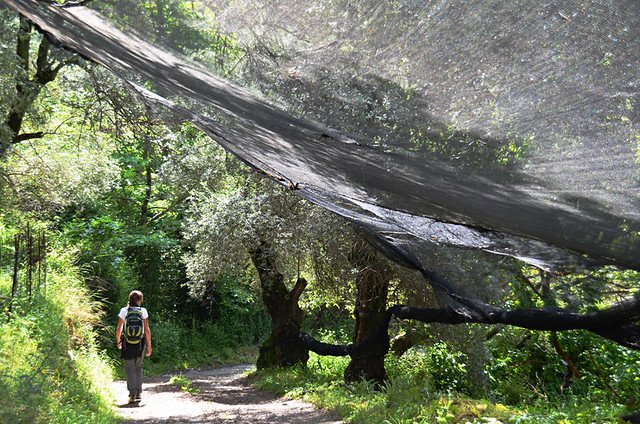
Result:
x=508 y=127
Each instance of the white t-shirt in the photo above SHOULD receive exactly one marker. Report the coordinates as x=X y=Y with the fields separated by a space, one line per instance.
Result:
x=123 y=312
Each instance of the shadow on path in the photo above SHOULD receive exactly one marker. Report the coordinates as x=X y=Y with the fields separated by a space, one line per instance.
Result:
x=226 y=396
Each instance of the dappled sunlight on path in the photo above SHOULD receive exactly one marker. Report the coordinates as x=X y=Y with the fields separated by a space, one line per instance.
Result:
x=225 y=396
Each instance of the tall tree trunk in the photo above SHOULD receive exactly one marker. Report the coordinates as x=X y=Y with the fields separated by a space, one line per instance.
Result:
x=148 y=180
x=283 y=347
x=20 y=104
x=28 y=88
x=372 y=283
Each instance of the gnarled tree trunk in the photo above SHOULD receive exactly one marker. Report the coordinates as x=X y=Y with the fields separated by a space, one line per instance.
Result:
x=283 y=347
x=372 y=283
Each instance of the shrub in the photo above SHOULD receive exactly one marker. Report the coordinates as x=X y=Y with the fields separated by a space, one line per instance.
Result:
x=50 y=368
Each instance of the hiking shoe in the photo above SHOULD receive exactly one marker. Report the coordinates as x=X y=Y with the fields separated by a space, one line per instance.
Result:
x=132 y=399
x=138 y=397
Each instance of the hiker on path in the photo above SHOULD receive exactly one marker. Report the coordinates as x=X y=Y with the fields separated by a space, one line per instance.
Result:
x=134 y=339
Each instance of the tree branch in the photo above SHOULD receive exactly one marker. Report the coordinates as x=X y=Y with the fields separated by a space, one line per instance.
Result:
x=18 y=138
x=614 y=323
x=27 y=136
x=604 y=378
x=165 y=211
x=297 y=290
x=560 y=351
x=27 y=90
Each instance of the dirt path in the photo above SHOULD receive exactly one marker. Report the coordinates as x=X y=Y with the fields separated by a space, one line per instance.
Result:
x=226 y=396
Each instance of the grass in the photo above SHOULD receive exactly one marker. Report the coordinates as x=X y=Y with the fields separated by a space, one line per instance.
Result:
x=184 y=383
x=51 y=370
x=411 y=397
x=405 y=400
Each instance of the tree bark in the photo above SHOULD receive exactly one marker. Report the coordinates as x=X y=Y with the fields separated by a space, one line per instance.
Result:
x=405 y=341
x=372 y=283
x=21 y=103
x=28 y=89
x=615 y=322
x=283 y=347
x=148 y=180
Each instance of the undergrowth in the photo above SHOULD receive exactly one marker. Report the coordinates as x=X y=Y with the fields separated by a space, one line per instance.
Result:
x=51 y=370
x=416 y=394
x=231 y=339
x=409 y=397
x=184 y=384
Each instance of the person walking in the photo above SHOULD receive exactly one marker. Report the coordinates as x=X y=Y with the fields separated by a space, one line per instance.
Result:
x=134 y=340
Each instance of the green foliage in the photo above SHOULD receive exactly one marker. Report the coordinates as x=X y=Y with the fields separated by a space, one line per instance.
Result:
x=227 y=222
x=124 y=188
x=527 y=369
x=9 y=66
x=570 y=411
x=238 y=323
x=187 y=26
x=179 y=347
x=469 y=149
x=446 y=366
x=530 y=382
x=184 y=383
x=409 y=397
x=50 y=368
x=69 y=165
x=609 y=373
x=526 y=365
x=329 y=325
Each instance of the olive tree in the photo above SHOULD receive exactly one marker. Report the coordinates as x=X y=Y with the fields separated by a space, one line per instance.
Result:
x=249 y=221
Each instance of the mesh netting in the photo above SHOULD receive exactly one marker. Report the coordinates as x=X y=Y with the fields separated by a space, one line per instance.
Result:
x=510 y=127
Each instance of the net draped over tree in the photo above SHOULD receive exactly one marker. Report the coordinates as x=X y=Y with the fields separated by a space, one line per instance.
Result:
x=505 y=127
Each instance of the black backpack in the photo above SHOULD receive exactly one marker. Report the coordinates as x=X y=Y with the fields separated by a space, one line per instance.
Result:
x=133 y=326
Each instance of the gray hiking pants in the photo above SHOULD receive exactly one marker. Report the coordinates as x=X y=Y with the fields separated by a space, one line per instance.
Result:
x=133 y=368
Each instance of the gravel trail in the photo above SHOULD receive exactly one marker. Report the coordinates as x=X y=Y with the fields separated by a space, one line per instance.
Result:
x=225 y=396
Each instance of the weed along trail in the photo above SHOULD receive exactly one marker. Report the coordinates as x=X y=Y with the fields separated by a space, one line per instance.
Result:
x=212 y=395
